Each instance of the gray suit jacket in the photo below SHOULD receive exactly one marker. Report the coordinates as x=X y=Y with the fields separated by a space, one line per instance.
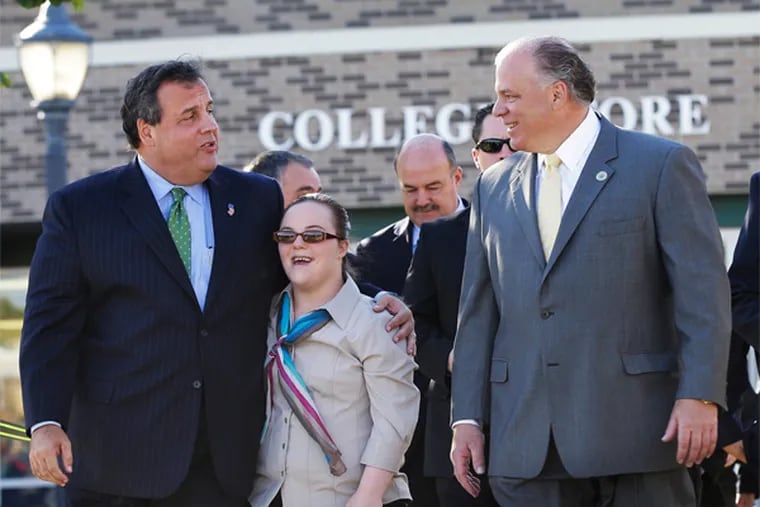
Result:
x=629 y=313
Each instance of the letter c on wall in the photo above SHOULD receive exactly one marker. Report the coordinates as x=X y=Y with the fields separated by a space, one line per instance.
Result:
x=266 y=130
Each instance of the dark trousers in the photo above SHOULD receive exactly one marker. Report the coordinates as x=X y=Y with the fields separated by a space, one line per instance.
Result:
x=423 y=488
x=714 y=485
x=277 y=502
x=200 y=488
x=555 y=488
x=452 y=494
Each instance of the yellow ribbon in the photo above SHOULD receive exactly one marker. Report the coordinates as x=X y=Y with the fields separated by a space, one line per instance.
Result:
x=17 y=432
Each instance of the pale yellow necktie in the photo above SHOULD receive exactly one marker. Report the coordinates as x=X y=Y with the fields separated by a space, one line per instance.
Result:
x=550 y=203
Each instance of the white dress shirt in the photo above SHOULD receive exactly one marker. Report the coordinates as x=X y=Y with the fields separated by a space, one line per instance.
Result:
x=573 y=152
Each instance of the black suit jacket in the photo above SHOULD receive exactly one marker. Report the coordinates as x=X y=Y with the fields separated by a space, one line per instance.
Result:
x=432 y=292
x=744 y=275
x=383 y=258
x=117 y=349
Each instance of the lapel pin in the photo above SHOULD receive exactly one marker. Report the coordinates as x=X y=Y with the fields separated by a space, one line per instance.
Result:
x=231 y=208
x=601 y=176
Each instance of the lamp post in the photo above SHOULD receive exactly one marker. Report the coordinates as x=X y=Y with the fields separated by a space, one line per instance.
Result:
x=54 y=54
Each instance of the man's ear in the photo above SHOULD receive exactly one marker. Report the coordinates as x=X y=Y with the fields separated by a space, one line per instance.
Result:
x=474 y=154
x=458 y=173
x=145 y=131
x=560 y=93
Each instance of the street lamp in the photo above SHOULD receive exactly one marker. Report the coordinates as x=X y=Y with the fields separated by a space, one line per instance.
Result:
x=54 y=54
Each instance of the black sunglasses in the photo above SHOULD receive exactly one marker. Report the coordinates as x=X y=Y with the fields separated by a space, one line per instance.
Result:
x=492 y=145
x=308 y=236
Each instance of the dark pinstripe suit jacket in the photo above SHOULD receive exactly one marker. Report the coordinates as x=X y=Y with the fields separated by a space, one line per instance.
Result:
x=116 y=348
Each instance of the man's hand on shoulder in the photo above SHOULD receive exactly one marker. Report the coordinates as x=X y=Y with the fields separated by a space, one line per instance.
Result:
x=402 y=320
x=49 y=442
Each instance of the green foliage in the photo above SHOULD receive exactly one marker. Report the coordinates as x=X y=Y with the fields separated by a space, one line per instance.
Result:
x=31 y=4
x=5 y=80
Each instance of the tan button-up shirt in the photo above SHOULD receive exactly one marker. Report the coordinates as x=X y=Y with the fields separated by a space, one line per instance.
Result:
x=362 y=386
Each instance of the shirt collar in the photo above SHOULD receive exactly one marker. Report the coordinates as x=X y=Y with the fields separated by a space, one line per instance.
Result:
x=460 y=205
x=160 y=187
x=574 y=150
x=340 y=306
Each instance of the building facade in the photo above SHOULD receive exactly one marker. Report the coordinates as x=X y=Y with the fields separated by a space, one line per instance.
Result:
x=346 y=81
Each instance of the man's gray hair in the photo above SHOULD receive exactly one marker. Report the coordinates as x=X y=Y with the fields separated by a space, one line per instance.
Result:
x=556 y=60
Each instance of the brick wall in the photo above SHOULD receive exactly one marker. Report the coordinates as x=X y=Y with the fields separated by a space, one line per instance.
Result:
x=131 y=19
x=726 y=71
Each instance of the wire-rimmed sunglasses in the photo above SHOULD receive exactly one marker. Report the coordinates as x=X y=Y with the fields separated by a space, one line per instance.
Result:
x=492 y=145
x=308 y=236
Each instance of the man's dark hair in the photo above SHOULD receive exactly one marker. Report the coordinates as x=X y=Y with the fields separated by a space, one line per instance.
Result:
x=477 y=125
x=141 y=97
x=559 y=60
x=272 y=163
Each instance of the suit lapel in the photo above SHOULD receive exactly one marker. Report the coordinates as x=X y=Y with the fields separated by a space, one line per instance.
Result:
x=594 y=176
x=521 y=192
x=140 y=206
x=403 y=235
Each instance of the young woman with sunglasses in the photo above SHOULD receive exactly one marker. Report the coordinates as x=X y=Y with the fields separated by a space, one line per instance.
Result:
x=342 y=406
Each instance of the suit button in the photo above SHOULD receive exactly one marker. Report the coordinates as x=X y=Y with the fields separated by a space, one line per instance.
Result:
x=197 y=384
x=545 y=314
x=204 y=333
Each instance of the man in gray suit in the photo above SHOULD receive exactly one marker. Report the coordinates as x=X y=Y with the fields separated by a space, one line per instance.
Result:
x=594 y=317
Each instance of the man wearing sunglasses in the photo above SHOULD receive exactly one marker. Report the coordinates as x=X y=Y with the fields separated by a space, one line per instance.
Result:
x=490 y=138
x=432 y=291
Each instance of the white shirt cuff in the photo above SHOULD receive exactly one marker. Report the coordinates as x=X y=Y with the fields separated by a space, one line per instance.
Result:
x=44 y=423
x=465 y=421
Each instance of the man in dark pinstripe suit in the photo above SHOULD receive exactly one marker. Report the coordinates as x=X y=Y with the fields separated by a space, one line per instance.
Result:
x=145 y=325
x=132 y=357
